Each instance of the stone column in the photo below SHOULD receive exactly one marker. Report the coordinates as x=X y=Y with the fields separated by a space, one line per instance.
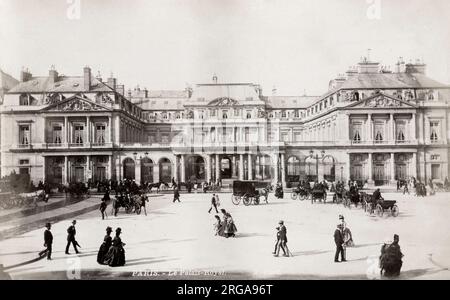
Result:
x=413 y=127
x=250 y=167
x=156 y=173
x=370 y=169
x=414 y=165
x=241 y=166
x=175 y=168
x=234 y=166
x=88 y=167
x=392 y=165
x=111 y=166
x=137 y=170
x=208 y=168
x=88 y=130
x=217 y=168
x=110 y=130
x=66 y=131
x=183 y=168
x=368 y=128
x=392 y=123
x=275 y=168
x=283 y=170
x=66 y=173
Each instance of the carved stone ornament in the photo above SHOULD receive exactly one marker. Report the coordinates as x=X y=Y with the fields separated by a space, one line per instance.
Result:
x=77 y=105
x=382 y=102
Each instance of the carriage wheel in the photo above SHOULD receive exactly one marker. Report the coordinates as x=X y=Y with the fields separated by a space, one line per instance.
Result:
x=247 y=201
x=256 y=200
x=380 y=210
x=395 y=211
x=294 y=196
x=235 y=199
x=303 y=197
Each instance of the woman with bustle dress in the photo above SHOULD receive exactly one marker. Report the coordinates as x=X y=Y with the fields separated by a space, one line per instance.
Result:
x=116 y=254
x=228 y=223
x=104 y=247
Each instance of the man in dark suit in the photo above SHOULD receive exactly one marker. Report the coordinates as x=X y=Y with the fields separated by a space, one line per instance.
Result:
x=213 y=204
x=71 y=232
x=48 y=241
x=176 y=195
x=339 y=241
x=281 y=240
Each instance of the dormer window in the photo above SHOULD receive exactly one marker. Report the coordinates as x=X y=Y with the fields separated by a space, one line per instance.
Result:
x=249 y=114
x=24 y=100
x=225 y=114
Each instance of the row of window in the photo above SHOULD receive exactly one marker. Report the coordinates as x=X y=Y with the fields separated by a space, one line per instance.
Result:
x=79 y=134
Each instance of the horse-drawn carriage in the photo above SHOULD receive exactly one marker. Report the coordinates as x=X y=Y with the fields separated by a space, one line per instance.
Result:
x=379 y=206
x=351 y=197
x=301 y=193
x=249 y=192
x=12 y=200
x=129 y=203
x=78 y=190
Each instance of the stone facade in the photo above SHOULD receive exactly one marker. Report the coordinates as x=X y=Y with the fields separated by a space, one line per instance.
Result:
x=372 y=125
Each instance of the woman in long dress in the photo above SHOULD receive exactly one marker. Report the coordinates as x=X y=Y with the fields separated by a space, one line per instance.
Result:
x=116 y=254
x=219 y=227
x=104 y=247
x=230 y=227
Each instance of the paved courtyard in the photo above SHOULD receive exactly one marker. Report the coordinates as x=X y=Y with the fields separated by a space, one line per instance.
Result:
x=178 y=237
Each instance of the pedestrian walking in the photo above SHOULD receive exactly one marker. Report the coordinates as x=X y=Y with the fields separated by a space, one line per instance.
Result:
x=281 y=240
x=71 y=232
x=103 y=206
x=143 y=201
x=339 y=241
x=176 y=195
x=104 y=247
x=48 y=241
x=213 y=204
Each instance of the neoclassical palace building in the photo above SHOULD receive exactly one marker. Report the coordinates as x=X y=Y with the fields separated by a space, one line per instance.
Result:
x=372 y=125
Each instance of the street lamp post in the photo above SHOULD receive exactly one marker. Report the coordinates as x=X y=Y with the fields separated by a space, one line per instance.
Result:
x=316 y=157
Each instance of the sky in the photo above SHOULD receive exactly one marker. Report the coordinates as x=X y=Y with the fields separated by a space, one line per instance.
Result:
x=294 y=46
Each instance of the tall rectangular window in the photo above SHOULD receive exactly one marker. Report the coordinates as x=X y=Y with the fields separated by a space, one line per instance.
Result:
x=434 y=131
x=78 y=134
x=100 y=133
x=356 y=133
x=57 y=134
x=24 y=134
x=400 y=132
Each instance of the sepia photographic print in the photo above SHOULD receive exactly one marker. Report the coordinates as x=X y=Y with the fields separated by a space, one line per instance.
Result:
x=224 y=140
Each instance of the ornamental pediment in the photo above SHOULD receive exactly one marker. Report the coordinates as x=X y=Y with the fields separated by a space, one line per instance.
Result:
x=223 y=101
x=76 y=104
x=382 y=101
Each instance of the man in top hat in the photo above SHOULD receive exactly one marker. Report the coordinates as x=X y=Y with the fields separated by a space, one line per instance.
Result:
x=281 y=240
x=71 y=232
x=48 y=241
x=339 y=241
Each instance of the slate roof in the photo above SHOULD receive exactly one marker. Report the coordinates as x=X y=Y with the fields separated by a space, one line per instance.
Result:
x=290 y=101
x=72 y=84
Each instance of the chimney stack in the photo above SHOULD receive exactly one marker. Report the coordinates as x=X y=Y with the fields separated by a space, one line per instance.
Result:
x=53 y=74
x=99 y=76
x=25 y=75
x=87 y=78
x=112 y=82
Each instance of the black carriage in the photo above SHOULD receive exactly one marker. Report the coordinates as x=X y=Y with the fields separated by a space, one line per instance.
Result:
x=389 y=206
x=339 y=195
x=351 y=197
x=301 y=193
x=249 y=192
x=318 y=194
x=130 y=204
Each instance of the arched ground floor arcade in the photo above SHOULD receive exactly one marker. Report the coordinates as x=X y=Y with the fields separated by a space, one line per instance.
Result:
x=288 y=165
